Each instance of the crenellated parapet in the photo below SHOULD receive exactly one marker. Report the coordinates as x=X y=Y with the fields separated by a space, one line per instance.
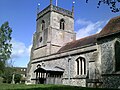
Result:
x=62 y=11
x=54 y=8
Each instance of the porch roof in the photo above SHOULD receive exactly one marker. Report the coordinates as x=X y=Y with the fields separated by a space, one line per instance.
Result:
x=48 y=69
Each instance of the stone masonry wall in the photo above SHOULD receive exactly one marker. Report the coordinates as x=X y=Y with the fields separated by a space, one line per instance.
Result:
x=110 y=77
x=46 y=18
x=107 y=57
x=55 y=21
x=75 y=82
x=108 y=54
x=111 y=81
x=61 y=37
x=62 y=62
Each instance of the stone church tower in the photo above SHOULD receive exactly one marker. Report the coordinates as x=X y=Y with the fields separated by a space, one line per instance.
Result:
x=55 y=27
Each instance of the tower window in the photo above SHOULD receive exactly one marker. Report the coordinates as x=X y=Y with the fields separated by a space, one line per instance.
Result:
x=117 y=56
x=40 y=39
x=62 y=24
x=43 y=25
x=81 y=66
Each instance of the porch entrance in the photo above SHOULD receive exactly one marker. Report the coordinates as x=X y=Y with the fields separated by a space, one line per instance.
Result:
x=48 y=75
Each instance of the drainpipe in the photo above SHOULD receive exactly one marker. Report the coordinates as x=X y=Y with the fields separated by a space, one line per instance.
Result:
x=69 y=58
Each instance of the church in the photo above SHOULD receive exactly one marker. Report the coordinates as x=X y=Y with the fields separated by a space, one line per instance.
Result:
x=58 y=58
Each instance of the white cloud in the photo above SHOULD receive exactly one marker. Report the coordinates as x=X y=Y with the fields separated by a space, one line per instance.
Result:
x=19 y=49
x=98 y=30
x=20 y=53
x=86 y=28
x=82 y=22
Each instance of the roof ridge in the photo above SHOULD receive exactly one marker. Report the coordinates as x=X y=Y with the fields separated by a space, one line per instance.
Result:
x=111 y=27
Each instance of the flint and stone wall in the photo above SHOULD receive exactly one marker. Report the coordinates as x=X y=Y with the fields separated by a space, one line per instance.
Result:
x=111 y=81
x=62 y=62
x=110 y=77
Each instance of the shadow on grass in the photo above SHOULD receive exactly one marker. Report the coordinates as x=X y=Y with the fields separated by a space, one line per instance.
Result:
x=64 y=88
x=45 y=87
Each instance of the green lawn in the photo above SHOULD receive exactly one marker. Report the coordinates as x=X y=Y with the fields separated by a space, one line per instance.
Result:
x=43 y=87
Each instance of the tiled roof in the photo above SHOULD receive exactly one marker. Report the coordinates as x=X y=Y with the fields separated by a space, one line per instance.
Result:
x=90 y=40
x=113 y=26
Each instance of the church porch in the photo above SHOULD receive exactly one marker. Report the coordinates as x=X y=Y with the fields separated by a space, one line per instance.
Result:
x=48 y=75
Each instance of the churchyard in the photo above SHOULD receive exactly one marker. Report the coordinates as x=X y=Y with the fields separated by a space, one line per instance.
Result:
x=44 y=87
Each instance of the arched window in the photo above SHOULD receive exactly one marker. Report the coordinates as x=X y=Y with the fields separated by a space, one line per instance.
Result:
x=62 y=24
x=38 y=66
x=81 y=66
x=43 y=25
x=117 y=56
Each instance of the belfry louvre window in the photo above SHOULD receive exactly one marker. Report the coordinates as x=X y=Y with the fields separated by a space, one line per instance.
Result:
x=81 y=66
x=117 y=56
x=62 y=24
x=43 y=25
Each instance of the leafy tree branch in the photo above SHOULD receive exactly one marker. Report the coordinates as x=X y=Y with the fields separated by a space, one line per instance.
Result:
x=113 y=4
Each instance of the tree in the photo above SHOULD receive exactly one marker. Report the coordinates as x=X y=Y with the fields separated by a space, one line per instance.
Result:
x=5 y=45
x=17 y=78
x=113 y=4
x=7 y=75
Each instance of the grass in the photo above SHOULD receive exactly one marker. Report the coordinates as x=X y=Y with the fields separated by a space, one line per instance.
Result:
x=43 y=87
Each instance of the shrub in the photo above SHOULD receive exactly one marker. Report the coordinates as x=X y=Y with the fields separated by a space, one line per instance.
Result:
x=1 y=80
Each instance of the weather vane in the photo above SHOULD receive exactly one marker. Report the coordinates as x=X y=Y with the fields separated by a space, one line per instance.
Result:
x=38 y=7
x=73 y=2
x=73 y=7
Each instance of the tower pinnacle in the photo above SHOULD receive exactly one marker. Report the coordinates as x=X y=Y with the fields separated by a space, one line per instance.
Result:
x=38 y=7
x=50 y=2
x=73 y=7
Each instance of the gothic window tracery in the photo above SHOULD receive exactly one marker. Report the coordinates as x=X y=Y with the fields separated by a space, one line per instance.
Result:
x=81 y=66
x=62 y=24
x=117 y=56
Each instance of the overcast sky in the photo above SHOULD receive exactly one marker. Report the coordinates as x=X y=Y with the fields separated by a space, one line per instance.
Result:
x=21 y=15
